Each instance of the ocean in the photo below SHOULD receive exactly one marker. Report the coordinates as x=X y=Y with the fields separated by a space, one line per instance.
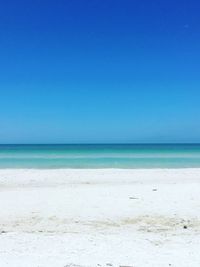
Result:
x=126 y=156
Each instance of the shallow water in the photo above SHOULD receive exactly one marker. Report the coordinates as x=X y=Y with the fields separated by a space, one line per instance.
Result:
x=100 y=156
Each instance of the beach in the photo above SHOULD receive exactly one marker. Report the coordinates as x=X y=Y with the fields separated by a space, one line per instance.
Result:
x=99 y=217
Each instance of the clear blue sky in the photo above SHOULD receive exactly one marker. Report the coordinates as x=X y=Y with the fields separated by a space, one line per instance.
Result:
x=99 y=71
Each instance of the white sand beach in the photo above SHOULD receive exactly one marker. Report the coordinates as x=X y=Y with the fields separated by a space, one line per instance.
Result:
x=89 y=218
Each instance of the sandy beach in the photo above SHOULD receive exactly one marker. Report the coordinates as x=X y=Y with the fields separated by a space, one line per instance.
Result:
x=88 y=218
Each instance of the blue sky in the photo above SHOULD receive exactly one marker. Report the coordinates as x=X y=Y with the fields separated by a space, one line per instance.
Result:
x=99 y=71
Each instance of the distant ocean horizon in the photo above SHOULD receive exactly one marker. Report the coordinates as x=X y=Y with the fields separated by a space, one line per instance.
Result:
x=99 y=156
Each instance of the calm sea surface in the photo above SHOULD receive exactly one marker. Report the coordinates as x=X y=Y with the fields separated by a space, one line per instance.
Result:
x=100 y=156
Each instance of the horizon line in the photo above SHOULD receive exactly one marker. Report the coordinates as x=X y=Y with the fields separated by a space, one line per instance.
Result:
x=145 y=143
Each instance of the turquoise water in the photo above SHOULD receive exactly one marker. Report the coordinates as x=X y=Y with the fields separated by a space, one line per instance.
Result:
x=100 y=156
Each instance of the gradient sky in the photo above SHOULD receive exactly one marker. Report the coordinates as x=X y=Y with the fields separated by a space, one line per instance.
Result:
x=99 y=71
